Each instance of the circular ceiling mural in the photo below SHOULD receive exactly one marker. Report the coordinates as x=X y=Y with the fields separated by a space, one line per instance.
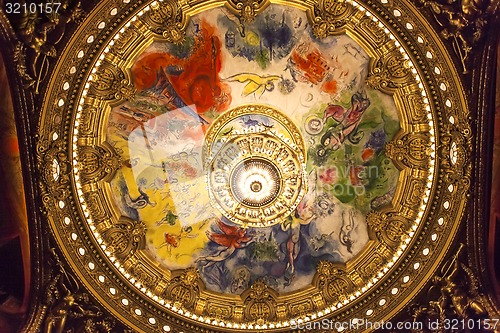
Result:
x=253 y=165
x=253 y=151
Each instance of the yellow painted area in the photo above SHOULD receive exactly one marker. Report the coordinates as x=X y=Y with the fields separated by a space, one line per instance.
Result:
x=252 y=38
x=181 y=246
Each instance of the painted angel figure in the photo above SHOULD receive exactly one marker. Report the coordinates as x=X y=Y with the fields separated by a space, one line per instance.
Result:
x=255 y=84
x=347 y=122
x=229 y=238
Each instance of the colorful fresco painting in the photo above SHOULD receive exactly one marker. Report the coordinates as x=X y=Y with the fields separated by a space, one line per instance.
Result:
x=224 y=63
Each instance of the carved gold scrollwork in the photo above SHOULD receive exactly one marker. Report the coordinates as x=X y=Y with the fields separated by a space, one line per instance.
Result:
x=454 y=294
x=412 y=150
x=301 y=307
x=416 y=108
x=111 y=84
x=260 y=303
x=121 y=44
x=388 y=73
x=55 y=169
x=453 y=152
x=414 y=193
x=371 y=266
x=125 y=237
x=373 y=31
x=144 y=276
x=247 y=10
x=184 y=290
x=220 y=311
x=95 y=204
x=98 y=162
x=330 y=17
x=167 y=20
x=387 y=227
x=463 y=23
x=87 y=121
x=333 y=282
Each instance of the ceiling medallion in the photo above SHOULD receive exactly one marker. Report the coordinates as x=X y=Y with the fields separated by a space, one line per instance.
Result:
x=256 y=172
x=254 y=166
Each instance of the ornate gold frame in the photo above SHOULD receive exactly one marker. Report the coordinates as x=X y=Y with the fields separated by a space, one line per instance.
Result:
x=433 y=150
x=395 y=231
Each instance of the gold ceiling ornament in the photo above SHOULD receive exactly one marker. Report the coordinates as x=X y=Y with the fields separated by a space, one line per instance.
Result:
x=330 y=17
x=39 y=34
x=255 y=176
x=98 y=162
x=110 y=83
x=463 y=23
x=166 y=20
x=407 y=237
x=247 y=10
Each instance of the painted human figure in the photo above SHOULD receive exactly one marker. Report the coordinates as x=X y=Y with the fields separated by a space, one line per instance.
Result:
x=229 y=238
x=347 y=122
x=173 y=240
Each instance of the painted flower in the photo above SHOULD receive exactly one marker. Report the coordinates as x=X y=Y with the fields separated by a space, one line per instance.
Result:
x=329 y=175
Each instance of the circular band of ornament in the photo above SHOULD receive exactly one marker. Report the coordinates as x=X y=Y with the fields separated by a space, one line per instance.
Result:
x=255 y=175
x=412 y=260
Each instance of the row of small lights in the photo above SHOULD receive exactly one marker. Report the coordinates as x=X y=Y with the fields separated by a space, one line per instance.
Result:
x=284 y=324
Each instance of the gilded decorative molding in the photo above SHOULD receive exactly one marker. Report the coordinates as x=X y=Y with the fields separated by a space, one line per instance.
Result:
x=167 y=20
x=247 y=10
x=111 y=84
x=39 y=34
x=463 y=23
x=454 y=294
x=411 y=150
x=454 y=149
x=260 y=303
x=184 y=290
x=330 y=17
x=125 y=238
x=389 y=228
x=333 y=282
x=98 y=162
x=54 y=163
x=389 y=73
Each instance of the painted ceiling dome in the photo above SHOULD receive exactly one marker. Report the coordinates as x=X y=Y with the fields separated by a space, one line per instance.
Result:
x=255 y=165
x=253 y=151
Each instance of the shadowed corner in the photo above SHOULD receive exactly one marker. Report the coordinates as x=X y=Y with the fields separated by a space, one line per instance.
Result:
x=14 y=238
x=494 y=227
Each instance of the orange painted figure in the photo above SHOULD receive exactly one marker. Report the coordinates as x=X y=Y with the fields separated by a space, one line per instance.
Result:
x=173 y=240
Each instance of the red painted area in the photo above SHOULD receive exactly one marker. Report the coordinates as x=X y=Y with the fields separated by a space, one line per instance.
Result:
x=311 y=64
x=199 y=83
x=330 y=87
x=11 y=146
x=367 y=154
